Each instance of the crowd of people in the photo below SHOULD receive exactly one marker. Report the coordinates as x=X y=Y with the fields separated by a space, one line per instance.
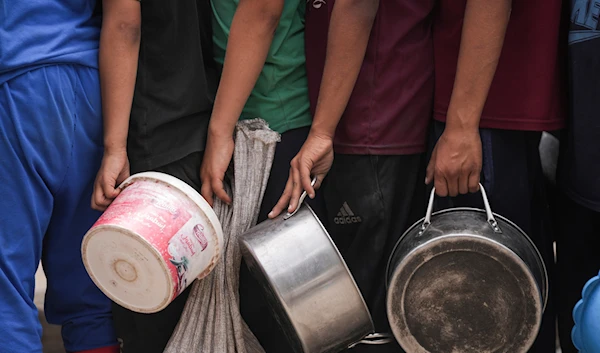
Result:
x=378 y=100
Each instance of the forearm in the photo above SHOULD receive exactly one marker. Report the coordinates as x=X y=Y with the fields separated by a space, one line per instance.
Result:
x=250 y=38
x=118 y=59
x=483 y=34
x=349 y=31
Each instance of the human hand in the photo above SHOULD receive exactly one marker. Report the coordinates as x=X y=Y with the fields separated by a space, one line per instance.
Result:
x=217 y=156
x=113 y=171
x=314 y=159
x=455 y=163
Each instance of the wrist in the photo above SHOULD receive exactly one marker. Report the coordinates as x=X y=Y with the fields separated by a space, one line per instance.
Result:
x=462 y=123
x=113 y=147
x=220 y=130
x=322 y=132
x=321 y=135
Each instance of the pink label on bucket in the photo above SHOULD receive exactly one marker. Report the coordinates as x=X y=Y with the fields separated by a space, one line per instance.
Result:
x=171 y=223
x=147 y=209
x=182 y=248
x=154 y=211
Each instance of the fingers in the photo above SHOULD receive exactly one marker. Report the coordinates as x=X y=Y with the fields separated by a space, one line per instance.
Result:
x=207 y=193
x=449 y=181
x=463 y=184
x=473 y=183
x=441 y=188
x=124 y=176
x=99 y=202
x=219 y=190
x=284 y=200
x=429 y=173
x=104 y=193
x=453 y=186
x=296 y=189
x=111 y=189
x=433 y=173
x=452 y=183
x=469 y=180
x=320 y=178
x=306 y=181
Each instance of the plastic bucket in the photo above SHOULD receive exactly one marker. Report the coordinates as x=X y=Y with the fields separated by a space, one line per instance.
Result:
x=154 y=239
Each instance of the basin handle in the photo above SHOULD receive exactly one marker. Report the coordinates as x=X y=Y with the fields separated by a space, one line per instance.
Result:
x=300 y=201
x=488 y=210
x=374 y=338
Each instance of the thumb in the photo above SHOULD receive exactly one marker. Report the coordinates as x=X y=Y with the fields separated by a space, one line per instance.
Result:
x=305 y=180
x=320 y=177
x=430 y=170
x=125 y=173
x=109 y=188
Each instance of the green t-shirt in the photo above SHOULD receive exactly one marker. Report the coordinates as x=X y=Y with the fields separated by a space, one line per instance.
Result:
x=280 y=95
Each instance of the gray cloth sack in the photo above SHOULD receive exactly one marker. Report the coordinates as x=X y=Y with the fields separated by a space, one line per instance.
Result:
x=211 y=321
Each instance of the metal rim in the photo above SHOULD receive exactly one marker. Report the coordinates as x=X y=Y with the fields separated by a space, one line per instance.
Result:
x=400 y=333
x=497 y=216
x=284 y=307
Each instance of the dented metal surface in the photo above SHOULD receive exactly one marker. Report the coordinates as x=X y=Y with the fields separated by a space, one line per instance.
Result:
x=469 y=281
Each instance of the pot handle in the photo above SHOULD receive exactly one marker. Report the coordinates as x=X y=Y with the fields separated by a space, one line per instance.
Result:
x=374 y=338
x=300 y=201
x=488 y=210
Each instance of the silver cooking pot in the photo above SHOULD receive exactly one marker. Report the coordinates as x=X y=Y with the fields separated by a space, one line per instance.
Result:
x=307 y=284
x=465 y=280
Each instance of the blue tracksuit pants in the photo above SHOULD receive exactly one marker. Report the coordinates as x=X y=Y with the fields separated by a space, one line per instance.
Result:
x=50 y=151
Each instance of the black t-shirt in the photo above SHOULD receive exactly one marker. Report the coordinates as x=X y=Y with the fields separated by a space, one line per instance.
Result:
x=176 y=83
x=579 y=166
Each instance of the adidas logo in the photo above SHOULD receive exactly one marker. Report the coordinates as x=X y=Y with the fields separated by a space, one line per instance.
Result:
x=346 y=216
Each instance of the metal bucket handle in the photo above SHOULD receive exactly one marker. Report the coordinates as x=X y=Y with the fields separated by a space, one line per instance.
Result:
x=488 y=210
x=300 y=201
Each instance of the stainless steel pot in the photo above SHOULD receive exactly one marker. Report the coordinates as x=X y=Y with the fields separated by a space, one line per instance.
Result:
x=465 y=280
x=308 y=285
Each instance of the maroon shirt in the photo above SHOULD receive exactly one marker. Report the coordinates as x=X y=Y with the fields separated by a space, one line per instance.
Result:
x=527 y=92
x=390 y=107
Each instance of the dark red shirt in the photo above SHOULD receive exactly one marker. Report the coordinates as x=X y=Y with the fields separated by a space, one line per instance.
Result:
x=390 y=107
x=527 y=92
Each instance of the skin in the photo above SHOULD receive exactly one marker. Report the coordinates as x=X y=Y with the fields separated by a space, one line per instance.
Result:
x=118 y=58
x=251 y=33
x=455 y=164
x=348 y=37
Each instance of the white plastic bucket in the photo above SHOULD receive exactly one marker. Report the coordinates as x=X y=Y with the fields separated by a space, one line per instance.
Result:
x=154 y=239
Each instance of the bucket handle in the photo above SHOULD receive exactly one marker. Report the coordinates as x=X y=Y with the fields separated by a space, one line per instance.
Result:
x=300 y=201
x=488 y=210
x=374 y=338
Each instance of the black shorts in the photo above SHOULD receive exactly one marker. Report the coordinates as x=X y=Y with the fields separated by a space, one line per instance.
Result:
x=371 y=200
